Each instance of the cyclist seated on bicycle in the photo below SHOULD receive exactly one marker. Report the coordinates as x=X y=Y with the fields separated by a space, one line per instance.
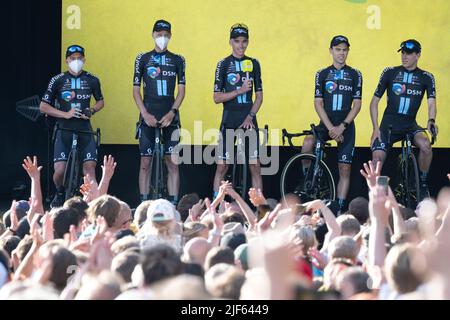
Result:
x=337 y=88
x=235 y=78
x=406 y=86
x=159 y=70
x=68 y=98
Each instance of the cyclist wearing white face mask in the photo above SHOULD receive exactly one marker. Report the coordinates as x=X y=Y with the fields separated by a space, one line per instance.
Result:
x=160 y=71
x=72 y=91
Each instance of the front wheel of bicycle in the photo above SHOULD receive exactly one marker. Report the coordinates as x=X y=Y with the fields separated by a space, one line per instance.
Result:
x=411 y=181
x=298 y=177
x=71 y=175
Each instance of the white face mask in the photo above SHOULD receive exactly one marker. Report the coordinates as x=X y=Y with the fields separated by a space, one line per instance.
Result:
x=162 y=42
x=76 y=65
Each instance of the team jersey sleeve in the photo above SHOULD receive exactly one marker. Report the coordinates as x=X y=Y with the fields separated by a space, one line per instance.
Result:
x=181 y=70
x=51 y=92
x=138 y=70
x=318 y=91
x=357 y=85
x=257 y=76
x=383 y=83
x=430 y=85
x=219 y=83
x=97 y=89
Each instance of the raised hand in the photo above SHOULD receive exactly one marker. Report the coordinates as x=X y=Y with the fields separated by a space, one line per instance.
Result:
x=108 y=167
x=217 y=221
x=47 y=224
x=267 y=220
x=89 y=189
x=31 y=167
x=256 y=197
x=13 y=216
x=379 y=205
x=371 y=173
x=100 y=229
x=196 y=210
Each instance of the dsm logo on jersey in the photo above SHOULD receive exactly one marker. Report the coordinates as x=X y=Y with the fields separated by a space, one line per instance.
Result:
x=398 y=88
x=67 y=95
x=233 y=78
x=153 y=72
x=330 y=86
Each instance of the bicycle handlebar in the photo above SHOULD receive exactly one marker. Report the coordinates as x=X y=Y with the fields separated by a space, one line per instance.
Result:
x=289 y=136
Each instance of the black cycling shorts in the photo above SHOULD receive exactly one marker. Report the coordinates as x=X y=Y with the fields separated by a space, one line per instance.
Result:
x=63 y=144
x=228 y=137
x=346 y=148
x=147 y=135
x=400 y=127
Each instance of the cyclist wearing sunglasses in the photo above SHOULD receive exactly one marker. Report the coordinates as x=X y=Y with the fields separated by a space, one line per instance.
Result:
x=406 y=86
x=233 y=86
x=68 y=98
x=160 y=71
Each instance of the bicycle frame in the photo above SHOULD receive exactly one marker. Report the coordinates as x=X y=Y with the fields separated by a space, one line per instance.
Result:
x=157 y=160
x=74 y=170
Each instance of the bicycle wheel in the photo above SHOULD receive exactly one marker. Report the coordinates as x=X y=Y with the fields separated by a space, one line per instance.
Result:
x=71 y=175
x=157 y=178
x=411 y=176
x=239 y=179
x=298 y=175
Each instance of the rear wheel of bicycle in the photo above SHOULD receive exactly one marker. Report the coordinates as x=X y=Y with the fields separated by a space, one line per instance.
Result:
x=71 y=175
x=297 y=178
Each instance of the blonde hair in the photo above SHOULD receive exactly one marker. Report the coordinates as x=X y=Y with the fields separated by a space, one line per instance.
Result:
x=406 y=268
x=343 y=247
x=350 y=226
x=107 y=206
x=306 y=236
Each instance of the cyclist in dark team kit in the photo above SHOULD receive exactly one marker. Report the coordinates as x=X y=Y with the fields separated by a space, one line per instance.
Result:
x=233 y=86
x=337 y=88
x=159 y=70
x=406 y=86
x=68 y=98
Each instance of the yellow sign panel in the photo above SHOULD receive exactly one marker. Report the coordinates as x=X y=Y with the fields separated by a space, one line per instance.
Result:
x=290 y=39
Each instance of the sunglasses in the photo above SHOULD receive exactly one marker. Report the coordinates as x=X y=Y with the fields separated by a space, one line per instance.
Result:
x=75 y=49
x=238 y=25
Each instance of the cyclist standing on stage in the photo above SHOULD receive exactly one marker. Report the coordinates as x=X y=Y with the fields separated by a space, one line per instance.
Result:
x=160 y=71
x=68 y=98
x=337 y=88
x=233 y=86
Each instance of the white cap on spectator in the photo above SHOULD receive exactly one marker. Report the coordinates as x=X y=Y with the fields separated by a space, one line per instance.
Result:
x=232 y=227
x=161 y=210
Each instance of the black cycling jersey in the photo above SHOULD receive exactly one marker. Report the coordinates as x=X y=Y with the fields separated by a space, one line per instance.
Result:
x=405 y=90
x=230 y=77
x=66 y=91
x=159 y=73
x=338 y=89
